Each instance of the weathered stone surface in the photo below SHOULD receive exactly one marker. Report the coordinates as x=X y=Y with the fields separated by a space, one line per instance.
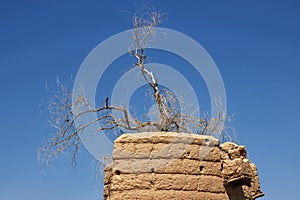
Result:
x=131 y=195
x=187 y=195
x=179 y=166
x=166 y=151
x=130 y=166
x=168 y=166
x=165 y=195
x=239 y=152
x=254 y=190
x=237 y=171
x=228 y=146
x=210 y=154
x=107 y=175
x=173 y=181
x=211 y=184
x=186 y=166
x=132 y=181
x=132 y=150
x=167 y=137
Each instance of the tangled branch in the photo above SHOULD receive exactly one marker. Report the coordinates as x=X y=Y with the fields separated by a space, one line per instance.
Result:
x=61 y=107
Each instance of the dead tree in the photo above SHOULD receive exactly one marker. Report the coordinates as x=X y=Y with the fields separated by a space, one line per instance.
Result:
x=67 y=138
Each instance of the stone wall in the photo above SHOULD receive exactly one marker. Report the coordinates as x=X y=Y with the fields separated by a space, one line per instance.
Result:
x=167 y=166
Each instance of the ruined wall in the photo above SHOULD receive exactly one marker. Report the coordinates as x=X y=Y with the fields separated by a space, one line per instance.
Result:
x=179 y=166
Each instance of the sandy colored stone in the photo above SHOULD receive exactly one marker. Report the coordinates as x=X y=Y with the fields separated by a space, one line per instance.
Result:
x=153 y=137
x=165 y=195
x=143 y=148
x=191 y=152
x=239 y=152
x=186 y=166
x=130 y=166
x=179 y=166
x=210 y=154
x=237 y=171
x=228 y=146
x=187 y=182
x=168 y=151
x=211 y=184
x=169 y=166
x=132 y=150
x=254 y=169
x=187 y=195
x=131 y=195
x=107 y=175
x=254 y=190
x=167 y=137
x=132 y=181
x=169 y=181
x=224 y=155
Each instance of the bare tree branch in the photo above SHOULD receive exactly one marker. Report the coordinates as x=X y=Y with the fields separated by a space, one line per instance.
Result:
x=60 y=106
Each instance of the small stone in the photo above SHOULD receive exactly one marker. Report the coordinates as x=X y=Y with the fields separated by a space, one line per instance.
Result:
x=228 y=146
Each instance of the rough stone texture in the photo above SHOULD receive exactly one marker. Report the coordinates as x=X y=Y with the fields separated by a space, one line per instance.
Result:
x=237 y=171
x=167 y=166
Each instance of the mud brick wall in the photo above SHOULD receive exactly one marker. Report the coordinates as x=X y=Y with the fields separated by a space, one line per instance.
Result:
x=162 y=165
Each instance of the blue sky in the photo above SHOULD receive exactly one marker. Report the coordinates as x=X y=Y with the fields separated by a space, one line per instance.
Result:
x=255 y=44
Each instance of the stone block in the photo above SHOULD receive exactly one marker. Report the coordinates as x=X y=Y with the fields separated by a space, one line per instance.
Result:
x=228 y=146
x=160 y=165
x=239 y=152
x=237 y=171
x=212 y=184
x=131 y=182
x=131 y=195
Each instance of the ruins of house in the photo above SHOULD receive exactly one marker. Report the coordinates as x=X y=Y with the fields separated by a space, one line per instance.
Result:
x=163 y=165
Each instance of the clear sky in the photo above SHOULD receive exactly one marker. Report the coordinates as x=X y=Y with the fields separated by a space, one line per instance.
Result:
x=255 y=44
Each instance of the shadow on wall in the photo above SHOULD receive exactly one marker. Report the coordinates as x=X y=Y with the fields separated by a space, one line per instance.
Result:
x=235 y=192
